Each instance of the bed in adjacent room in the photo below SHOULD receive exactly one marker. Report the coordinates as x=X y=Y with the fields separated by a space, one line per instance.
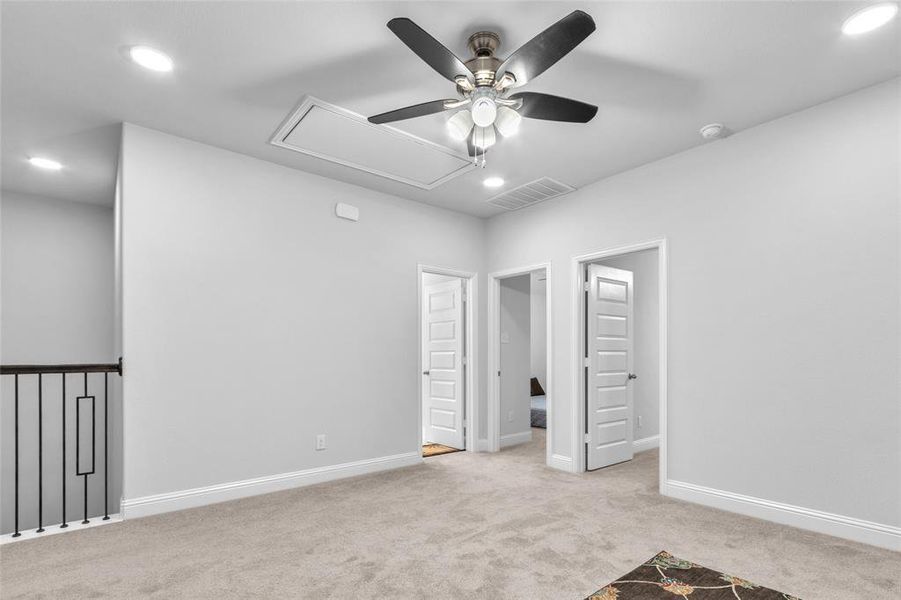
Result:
x=539 y=411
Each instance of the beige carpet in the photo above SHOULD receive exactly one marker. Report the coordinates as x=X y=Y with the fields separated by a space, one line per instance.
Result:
x=463 y=525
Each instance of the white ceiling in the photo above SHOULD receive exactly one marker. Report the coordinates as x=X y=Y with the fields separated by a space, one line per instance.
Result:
x=658 y=71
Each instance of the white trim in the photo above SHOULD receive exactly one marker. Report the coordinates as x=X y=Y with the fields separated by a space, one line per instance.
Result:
x=648 y=443
x=494 y=358
x=858 y=530
x=512 y=439
x=32 y=534
x=483 y=446
x=578 y=413
x=308 y=102
x=472 y=359
x=563 y=463
x=161 y=503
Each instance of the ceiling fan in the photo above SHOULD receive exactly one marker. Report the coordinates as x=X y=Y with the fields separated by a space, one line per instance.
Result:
x=484 y=82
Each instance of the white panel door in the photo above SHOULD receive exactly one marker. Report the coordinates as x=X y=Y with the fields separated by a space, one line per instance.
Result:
x=609 y=395
x=442 y=377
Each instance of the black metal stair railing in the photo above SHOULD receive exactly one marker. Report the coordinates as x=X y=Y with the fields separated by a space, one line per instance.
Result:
x=63 y=371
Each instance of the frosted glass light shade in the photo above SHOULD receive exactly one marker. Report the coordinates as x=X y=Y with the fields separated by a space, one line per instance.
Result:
x=458 y=126
x=483 y=137
x=508 y=121
x=484 y=111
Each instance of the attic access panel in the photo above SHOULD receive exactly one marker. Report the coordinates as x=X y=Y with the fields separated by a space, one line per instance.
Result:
x=332 y=133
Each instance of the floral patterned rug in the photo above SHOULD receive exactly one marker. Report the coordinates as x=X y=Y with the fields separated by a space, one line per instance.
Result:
x=667 y=577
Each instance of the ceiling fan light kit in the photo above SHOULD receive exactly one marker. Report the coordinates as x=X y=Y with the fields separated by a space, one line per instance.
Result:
x=483 y=137
x=507 y=121
x=459 y=125
x=484 y=81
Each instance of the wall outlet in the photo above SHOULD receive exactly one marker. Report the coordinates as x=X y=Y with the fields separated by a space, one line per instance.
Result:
x=320 y=441
x=510 y=416
x=639 y=421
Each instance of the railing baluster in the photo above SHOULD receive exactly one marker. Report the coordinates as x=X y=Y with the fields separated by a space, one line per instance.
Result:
x=40 y=453
x=64 y=525
x=84 y=477
x=17 y=534
x=106 y=447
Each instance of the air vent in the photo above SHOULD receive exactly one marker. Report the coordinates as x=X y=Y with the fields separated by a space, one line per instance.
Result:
x=335 y=134
x=530 y=193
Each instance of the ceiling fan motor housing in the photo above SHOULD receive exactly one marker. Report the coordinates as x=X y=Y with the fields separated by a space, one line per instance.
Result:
x=484 y=64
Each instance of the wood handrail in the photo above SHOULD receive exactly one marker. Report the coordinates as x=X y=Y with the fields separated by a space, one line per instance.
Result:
x=86 y=368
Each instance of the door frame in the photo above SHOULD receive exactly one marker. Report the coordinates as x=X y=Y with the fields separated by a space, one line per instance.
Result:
x=578 y=264
x=494 y=328
x=470 y=369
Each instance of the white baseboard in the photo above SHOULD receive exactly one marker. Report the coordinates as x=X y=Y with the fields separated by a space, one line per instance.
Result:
x=161 y=503
x=849 y=528
x=647 y=443
x=563 y=463
x=511 y=439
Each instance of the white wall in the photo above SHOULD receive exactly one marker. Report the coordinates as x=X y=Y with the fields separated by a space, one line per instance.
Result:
x=646 y=338
x=57 y=280
x=56 y=307
x=538 y=330
x=783 y=302
x=254 y=319
x=515 y=364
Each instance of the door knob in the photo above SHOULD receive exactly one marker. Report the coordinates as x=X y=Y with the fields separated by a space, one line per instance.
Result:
x=425 y=372
x=633 y=376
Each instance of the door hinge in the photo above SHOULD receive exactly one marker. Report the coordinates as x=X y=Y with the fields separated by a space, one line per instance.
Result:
x=587 y=438
x=586 y=286
x=586 y=362
x=464 y=360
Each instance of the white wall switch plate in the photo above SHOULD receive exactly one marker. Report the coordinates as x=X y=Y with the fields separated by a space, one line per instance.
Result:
x=320 y=441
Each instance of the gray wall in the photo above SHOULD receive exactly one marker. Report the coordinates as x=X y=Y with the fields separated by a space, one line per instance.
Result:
x=646 y=338
x=515 y=363
x=254 y=319
x=57 y=307
x=538 y=308
x=783 y=301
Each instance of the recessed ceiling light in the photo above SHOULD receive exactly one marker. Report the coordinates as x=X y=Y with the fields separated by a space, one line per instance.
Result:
x=150 y=58
x=493 y=182
x=870 y=18
x=45 y=163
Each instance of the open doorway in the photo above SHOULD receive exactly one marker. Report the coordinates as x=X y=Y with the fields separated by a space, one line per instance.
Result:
x=622 y=333
x=520 y=406
x=445 y=302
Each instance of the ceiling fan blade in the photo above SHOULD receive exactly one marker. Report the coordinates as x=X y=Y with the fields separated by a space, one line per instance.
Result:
x=546 y=48
x=554 y=108
x=429 y=49
x=410 y=112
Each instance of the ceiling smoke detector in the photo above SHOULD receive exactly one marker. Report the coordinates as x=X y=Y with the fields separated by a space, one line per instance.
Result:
x=713 y=131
